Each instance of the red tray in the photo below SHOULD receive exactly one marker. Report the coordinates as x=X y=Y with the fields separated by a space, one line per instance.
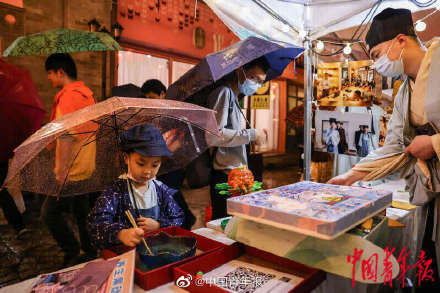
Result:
x=312 y=277
x=159 y=276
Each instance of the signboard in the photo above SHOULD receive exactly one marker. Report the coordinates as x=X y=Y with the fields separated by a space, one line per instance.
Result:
x=260 y=102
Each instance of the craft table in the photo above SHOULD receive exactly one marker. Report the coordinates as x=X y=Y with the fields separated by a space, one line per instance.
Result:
x=400 y=237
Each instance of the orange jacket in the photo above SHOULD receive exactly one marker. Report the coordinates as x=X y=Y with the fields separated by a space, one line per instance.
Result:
x=71 y=98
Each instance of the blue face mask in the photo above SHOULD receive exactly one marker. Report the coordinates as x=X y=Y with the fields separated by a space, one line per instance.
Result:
x=248 y=87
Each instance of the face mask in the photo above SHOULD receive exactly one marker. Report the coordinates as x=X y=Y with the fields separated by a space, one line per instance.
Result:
x=389 y=68
x=248 y=87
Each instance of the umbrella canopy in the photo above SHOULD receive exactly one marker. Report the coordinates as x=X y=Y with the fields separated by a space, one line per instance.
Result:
x=61 y=40
x=128 y=90
x=21 y=109
x=285 y=20
x=57 y=158
x=215 y=66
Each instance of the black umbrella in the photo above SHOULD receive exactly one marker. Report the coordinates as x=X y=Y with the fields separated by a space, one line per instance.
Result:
x=128 y=90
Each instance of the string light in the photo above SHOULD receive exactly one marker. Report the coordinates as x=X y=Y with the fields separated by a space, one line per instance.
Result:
x=420 y=26
x=320 y=46
x=347 y=49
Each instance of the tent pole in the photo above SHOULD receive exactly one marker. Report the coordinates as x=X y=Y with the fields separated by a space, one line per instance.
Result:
x=308 y=84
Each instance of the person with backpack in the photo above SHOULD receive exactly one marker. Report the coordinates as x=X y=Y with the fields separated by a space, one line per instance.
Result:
x=155 y=89
x=230 y=147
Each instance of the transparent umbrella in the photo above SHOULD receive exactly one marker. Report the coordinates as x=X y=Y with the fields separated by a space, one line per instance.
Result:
x=79 y=152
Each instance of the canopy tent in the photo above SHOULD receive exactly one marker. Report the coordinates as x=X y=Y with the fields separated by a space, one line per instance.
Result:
x=290 y=20
x=299 y=22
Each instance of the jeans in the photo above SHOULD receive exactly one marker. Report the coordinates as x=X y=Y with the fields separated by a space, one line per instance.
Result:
x=7 y=203
x=218 y=201
x=52 y=214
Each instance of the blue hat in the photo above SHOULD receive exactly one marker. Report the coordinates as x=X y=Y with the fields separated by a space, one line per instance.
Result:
x=145 y=140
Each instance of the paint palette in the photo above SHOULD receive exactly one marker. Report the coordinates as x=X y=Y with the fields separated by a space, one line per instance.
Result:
x=315 y=209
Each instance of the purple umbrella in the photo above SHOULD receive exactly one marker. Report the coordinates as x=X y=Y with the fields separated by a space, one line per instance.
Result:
x=215 y=66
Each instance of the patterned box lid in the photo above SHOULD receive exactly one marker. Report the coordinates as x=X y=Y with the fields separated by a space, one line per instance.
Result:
x=320 y=210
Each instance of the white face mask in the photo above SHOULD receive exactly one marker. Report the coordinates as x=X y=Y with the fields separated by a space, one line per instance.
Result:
x=389 y=68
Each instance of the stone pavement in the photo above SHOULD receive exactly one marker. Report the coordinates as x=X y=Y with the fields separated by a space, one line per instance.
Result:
x=37 y=252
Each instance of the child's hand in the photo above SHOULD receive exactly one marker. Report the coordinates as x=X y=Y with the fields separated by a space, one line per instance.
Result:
x=131 y=237
x=148 y=224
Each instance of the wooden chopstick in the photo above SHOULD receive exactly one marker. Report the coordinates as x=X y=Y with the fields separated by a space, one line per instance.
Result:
x=133 y=223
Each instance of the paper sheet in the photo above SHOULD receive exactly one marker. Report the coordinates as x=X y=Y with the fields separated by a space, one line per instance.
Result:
x=239 y=276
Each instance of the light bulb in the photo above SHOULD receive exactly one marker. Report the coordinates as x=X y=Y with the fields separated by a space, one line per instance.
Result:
x=285 y=28
x=347 y=49
x=320 y=46
x=420 y=26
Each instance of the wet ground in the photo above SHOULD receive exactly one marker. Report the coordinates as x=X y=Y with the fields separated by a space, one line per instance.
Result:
x=37 y=252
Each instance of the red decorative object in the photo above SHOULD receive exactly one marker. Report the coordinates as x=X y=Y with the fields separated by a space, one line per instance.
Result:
x=241 y=178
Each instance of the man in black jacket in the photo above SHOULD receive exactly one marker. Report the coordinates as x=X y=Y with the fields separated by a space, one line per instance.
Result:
x=357 y=136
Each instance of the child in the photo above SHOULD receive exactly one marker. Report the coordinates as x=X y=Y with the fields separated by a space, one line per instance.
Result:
x=150 y=201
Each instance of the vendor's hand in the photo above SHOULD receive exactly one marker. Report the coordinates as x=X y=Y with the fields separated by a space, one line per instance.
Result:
x=347 y=178
x=261 y=135
x=148 y=224
x=421 y=147
x=131 y=237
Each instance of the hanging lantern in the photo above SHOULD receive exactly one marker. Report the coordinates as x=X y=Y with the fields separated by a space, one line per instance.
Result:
x=94 y=25
x=117 y=30
x=10 y=19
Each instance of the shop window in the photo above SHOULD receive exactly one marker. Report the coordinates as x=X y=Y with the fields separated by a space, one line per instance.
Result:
x=180 y=68
x=267 y=118
x=136 y=68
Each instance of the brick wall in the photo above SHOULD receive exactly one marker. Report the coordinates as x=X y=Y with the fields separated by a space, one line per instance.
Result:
x=40 y=15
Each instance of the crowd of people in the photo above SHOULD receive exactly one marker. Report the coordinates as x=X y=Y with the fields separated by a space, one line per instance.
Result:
x=156 y=201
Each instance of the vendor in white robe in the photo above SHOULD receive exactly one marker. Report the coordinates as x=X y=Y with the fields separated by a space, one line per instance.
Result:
x=412 y=143
x=332 y=137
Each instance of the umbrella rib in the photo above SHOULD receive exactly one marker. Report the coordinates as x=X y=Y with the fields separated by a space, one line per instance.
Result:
x=78 y=133
x=103 y=124
x=101 y=134
x=132 y=116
